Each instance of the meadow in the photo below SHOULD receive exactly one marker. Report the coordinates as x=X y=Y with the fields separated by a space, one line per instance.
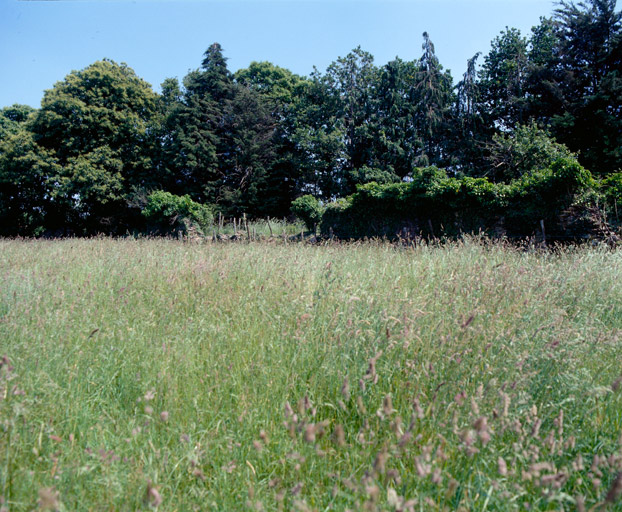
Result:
x=158 y=374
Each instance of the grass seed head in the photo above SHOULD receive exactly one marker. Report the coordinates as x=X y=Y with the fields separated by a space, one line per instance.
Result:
x=309 y=433
x=387 y=405
x=535 y=429
x=152 y=496
x=264 y=436
x=502 y=466
x=380 y=461
x=345 y=389
x=615 y=491
x=360 y=405
x=289 y=412
x=48 y=499
x=339 y=435
x=474 y=407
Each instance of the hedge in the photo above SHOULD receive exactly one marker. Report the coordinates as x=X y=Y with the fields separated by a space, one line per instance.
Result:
x=434 y=204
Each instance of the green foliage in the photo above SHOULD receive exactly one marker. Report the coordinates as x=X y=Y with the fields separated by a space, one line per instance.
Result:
x=28 y=175
x=170 y=213
x=226 y=376
x=544 y=195
x=433 y=204
x=282 y=97
x=526 y=149
x=11 y=118
x=397 y=144
x=251 y=142
x=503 y=79
x=249 y=154
x=276 y=83
x=105 y=104
x=368 y=174
x=587 y=78
x=222 y=145
x=91 y=188
x=612 y=187
x=433 y=95
x=309 y=210
x=97 y=123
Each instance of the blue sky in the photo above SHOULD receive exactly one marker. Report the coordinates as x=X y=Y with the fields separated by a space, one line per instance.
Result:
x=42 y=41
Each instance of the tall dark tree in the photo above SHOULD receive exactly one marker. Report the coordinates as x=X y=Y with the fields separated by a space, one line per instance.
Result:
x=351 y=79
x=434 y=100
x=545 y=97
x=319 y=135
x=471 y=129
x=397 y=143
x=224 y=135
x=468 y=90
x=589 y=77
x=503 y=80
x=97 y=124
x=199 y=125
x=248 y=154
x=281 y=92
x=27 y=174
x=165 y=162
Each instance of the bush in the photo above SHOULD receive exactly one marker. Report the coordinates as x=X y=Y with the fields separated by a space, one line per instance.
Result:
x=168 y=213
x=371 y=174
x=309 y=210
x=526 y=150
x=433 y=204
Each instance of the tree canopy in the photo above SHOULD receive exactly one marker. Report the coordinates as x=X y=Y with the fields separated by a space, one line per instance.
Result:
x=253 y=141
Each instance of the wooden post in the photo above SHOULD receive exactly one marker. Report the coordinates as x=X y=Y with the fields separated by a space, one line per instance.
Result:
x=543 y=232
x=235 y=226
x=431 y=228
x=269 y=226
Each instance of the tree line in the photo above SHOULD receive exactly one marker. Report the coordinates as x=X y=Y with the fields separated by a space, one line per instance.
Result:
x=91 y=158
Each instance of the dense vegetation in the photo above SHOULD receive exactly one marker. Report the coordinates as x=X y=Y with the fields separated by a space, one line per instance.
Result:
x=253 y=141
x=146 y=373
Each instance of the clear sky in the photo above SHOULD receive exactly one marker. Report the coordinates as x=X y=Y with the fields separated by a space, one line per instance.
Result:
x=41 y=41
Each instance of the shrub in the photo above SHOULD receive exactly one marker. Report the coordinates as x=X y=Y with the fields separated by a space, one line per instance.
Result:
x=527 y=149
x=309 y=210
x=371 y=174
x=435 y=204
x=167 y=213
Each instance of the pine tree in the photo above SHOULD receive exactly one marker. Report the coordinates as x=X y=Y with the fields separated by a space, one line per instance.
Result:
x=433 y=98
x=588 y=77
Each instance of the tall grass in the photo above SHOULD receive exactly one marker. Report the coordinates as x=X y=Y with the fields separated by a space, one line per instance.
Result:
x=261 y=228
x=154 y=373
